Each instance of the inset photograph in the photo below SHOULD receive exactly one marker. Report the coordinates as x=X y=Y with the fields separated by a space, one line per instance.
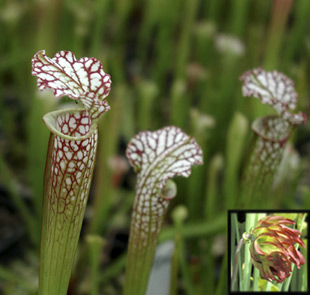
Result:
x=268 y=252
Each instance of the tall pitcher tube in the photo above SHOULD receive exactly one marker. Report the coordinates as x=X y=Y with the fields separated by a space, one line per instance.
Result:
x=68 y=174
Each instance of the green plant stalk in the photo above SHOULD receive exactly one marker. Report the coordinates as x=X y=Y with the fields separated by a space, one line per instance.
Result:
x=239 y=16
x=179 y=215
x=213 y=8
x=222 y=284
x=271 y=134
x=100 y=23
x=250 y=223
x=48 y=24
x=145 y=32
x=68 y=173
x=123 y=9
x=194 y=189
x=295 y=37
x=168 y=15
x=280 y=16
x=178 y=104
x=235 y=146
x=184 y=42
x=117 y=55
x=256 y=278
x=174 y=268
x=223 y=106
x=195 y=185
x=304 y=276
x=233 y=239
x=128 y=122
x=205 y=248
x=95 y=246
x=235 y=236
x=210 y=207
x=204 y=33
x=215 y=167
x=208 y=262
x=116 y=59
x=220 y=105
x=188 y=282
x=147 y=92
x=238 y=236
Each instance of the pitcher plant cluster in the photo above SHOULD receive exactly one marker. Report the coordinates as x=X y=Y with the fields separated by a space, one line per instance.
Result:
x=155 y=156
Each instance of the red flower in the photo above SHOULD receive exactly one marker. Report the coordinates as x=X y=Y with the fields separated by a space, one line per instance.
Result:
x=272 y=250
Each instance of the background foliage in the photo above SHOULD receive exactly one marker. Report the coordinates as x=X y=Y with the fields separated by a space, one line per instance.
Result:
x=172 y=62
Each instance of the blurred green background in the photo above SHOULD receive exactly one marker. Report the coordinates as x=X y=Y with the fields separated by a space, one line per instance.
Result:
x=171 y=62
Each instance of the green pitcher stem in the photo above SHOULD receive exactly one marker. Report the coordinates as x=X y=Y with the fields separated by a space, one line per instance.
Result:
x=141 y=250
x=144 y=233
x=68 y=173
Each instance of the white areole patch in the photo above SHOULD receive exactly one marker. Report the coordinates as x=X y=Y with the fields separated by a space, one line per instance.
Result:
x=82 y=129
x=65 y=129
x=72 y=123
x=84 y=121
x=79 y=155
x=68 y=155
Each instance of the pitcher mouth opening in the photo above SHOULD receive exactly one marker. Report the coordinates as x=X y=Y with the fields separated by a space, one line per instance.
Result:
x=71 y=124
x=272 y=128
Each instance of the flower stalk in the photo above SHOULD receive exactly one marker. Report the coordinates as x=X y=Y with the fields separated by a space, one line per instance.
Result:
x=156 y=157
